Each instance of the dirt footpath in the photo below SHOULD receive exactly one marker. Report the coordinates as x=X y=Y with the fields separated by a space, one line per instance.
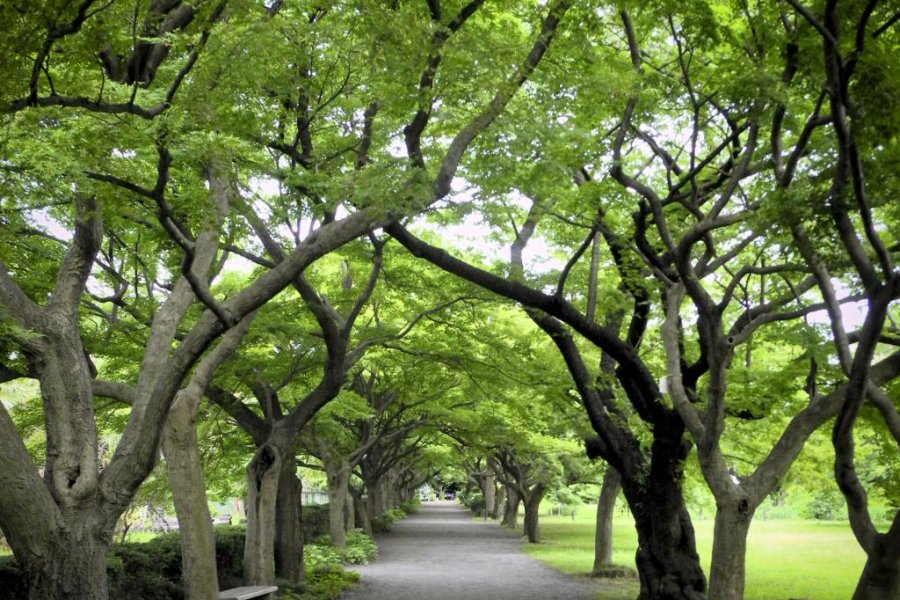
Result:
x=441 y=553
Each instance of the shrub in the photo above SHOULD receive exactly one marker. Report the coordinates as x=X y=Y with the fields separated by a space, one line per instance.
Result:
x=826 y=505
x=411 y=506
x=475 y=502
x=360 y=548
x=152 y=570
x=383 y=521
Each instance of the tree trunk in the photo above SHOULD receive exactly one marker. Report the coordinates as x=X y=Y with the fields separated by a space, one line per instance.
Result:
x=361 y=508
x=532 y=501
x=880 y=579
x=73 y=566
x=499 y=500
x=490 y=493
x=726 y=575
x=338 y=483
x=289 y=525
x=666 y=559
x=511 y=509
x=263 y=474
x=349 y=512
x=184 y=467
x=606 y=505
x=375 y=498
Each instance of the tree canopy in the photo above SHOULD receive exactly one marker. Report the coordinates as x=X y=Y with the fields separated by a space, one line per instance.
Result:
x=681 y=254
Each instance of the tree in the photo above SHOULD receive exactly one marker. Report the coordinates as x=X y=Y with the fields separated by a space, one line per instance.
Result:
x=857 y=210
x=56 y=93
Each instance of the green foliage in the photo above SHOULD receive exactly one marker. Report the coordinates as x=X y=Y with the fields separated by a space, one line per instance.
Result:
x=326 y=582
x=473 y=501
x=383 y=522
x=412 y=506
x=326 y=578
x=361 y=548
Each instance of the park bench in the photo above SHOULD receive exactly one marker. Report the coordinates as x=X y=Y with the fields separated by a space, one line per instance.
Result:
x=247 y=592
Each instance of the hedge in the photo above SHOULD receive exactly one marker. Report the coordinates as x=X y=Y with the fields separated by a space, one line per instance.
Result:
x=152 y=570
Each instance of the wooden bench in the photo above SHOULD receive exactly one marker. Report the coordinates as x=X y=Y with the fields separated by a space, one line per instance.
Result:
x=247 y=592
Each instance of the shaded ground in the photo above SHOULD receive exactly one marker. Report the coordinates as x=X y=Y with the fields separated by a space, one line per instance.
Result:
x=441 y=553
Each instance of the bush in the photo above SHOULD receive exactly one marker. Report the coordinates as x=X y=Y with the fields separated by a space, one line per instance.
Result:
x=361 y=549
x=475 y=502
x=411 y=506
x=152 y=570
x=826 y=505
x=383 y=521
x=326 y=577
x=315 y=521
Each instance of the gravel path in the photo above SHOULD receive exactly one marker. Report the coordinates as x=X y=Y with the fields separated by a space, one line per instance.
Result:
x=441 y=553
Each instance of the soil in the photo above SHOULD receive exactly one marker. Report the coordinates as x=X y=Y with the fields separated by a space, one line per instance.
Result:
x=442 y=553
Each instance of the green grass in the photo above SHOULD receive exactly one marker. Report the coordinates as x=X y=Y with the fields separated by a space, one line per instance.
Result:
x=785 y=559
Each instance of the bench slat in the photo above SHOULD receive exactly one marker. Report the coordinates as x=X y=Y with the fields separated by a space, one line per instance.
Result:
x=247 y=592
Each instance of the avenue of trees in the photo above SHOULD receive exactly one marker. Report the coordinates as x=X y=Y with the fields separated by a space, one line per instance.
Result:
x=231 y=249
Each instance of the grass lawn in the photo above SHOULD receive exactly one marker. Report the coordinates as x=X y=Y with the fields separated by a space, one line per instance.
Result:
x=785 y=559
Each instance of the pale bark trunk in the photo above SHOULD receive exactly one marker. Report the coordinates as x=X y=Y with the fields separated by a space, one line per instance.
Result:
x=375 y=498
x=532 y=501
x=338 y=484
x=361 y=507
x=263 y=475
x=606 y=505
x=349 y=512
x=289 y=525
x=490 y=494
x=74 y=566
x=511 y=509
x=185 y=472
x=499 y=500
x=726 y=576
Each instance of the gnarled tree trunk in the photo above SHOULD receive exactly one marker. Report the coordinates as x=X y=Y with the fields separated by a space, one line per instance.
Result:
x=73 y=565
x=511 y=509
x=263 y=474
x=532 y=501
x=667 y=560
x=338 y=475
x=184 y=467
x=499 y=501
x=289 y=524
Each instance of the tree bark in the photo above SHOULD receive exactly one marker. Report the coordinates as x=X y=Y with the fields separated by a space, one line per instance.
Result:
x=74 y=564
x=880 y=579
x=667 y=560
x=499 y=501
x=338 y=483
x=361 y=508
x=263 y=474
x=289 y=525
x=349 y=512
x=727 y=576
x=184 y=467
x=532 y=501
x=489 y=490
x=511 y=509
x=606 y=505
